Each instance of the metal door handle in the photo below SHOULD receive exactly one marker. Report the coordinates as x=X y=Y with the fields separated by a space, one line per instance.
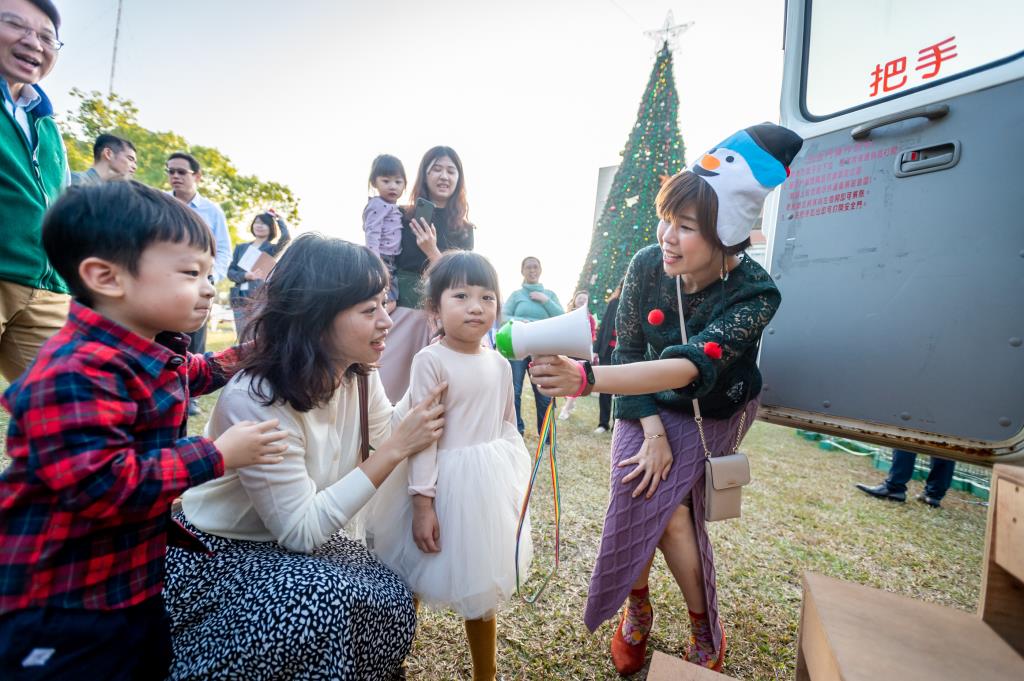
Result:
x=931 y=112
x=928 y=159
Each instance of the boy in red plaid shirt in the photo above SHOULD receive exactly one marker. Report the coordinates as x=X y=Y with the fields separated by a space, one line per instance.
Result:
x=98 y=443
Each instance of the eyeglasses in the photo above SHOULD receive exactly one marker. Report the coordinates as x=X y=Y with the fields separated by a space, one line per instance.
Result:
x=179 y=171
x=15 y=24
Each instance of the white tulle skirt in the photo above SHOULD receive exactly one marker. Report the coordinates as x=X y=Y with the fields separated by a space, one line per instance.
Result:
x=479 y=496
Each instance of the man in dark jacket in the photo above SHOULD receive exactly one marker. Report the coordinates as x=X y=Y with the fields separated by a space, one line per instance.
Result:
x=33 y=171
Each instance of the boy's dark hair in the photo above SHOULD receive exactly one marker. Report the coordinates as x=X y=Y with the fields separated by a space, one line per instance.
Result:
x=107 y=141
x=116 y=221
x=386 y=165
x=193 y=164
x=50 y=10
x=686 y=188
x=458 y=268
x=289 y=358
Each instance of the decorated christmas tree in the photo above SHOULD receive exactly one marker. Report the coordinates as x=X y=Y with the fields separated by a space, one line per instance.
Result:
x=653 y=153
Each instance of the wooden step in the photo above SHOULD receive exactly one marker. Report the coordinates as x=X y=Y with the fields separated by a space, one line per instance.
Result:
x=667 y=668
x=851 y=632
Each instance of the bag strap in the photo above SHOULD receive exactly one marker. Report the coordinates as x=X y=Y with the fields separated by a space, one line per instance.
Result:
x=697 y=418
x=364 y=418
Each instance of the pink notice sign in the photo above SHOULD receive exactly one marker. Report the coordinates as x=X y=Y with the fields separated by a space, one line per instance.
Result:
x=834 y=180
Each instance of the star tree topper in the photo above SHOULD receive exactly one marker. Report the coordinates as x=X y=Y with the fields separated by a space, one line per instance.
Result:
x=669 y=32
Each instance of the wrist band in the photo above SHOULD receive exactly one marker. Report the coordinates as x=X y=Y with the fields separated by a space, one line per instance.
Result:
x=583 y=380
x=654 y=437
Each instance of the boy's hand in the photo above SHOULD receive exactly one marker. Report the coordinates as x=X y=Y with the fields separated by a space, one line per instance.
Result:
x=247 y=443
x=426 y=531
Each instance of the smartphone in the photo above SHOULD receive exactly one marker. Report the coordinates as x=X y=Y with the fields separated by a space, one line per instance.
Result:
x=424 y=211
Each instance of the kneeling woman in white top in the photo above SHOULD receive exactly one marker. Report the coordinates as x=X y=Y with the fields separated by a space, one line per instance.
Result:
x=286 y=592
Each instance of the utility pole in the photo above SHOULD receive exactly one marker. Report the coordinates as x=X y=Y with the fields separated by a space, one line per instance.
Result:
x=113 y=59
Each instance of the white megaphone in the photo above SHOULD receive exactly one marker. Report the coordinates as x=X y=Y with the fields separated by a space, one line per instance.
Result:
x=567 y=334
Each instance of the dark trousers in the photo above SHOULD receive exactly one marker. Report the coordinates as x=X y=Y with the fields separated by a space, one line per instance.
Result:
x=128 y=644
x=519 y=367
x=604 y=403
x=241 y=308
x=198 y=344
x=940 y=477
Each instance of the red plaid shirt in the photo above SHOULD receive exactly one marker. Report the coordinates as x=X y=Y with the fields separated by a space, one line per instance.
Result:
x=99 y=452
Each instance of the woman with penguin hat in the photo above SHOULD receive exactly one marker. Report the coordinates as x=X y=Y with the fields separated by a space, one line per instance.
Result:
x=657 y=491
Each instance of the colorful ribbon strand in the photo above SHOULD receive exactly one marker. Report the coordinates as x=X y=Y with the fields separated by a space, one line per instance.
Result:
x=547 y=433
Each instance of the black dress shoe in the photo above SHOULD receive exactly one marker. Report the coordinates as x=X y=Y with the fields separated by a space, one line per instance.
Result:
x=882 y=491
x=931 y=501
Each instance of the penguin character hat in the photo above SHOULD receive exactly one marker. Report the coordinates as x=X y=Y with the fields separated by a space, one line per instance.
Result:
x=743 y=170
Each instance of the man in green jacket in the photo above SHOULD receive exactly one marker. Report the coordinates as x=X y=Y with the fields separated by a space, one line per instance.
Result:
x=33 y=171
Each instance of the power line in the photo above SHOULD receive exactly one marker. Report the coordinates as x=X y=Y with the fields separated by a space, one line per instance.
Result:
x=113 y=58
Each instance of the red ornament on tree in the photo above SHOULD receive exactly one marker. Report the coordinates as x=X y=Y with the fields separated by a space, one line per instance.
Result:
x=655 y=317
x=713 y=350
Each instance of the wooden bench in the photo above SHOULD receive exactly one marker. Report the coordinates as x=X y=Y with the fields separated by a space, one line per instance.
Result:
x=667 y=668
x=851 y=632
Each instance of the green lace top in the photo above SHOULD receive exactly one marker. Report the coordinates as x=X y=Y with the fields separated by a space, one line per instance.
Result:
x=732 y=313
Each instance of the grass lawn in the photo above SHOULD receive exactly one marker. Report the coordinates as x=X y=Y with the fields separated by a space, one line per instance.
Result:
x=801 y=512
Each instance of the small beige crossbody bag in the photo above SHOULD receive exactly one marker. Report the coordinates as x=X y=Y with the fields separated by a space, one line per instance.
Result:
x=724 y=476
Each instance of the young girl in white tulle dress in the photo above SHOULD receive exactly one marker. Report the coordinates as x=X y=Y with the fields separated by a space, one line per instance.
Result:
x=448 y=528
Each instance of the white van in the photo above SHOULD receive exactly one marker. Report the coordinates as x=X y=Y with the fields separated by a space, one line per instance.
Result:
x=898 y=241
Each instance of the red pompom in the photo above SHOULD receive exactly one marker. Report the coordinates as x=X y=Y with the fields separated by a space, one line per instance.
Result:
x=713 y=350
x=655 y=317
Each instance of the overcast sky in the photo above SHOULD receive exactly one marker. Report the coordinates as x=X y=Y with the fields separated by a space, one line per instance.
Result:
x=535 y=95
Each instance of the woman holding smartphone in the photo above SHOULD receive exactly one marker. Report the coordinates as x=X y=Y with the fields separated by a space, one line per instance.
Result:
x=425 y=235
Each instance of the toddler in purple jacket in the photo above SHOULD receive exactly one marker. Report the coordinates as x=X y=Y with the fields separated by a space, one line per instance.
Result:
x=382 y=219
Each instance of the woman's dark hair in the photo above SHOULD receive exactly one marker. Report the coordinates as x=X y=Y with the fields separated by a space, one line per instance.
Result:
x=386 y=165
x=457 y=268
x=616 y=292
x=116 y=221
x=684 y=189
x=457 y=207
x=270 y=220
x=289 y=358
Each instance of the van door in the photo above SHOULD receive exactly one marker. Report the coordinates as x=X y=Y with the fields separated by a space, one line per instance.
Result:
x=898 y=241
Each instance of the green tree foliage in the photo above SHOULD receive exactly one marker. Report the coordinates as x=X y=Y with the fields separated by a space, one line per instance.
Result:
x=653 y=153
x=241 y=196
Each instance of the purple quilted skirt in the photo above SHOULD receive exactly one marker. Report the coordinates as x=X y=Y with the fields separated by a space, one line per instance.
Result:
x=632 y=527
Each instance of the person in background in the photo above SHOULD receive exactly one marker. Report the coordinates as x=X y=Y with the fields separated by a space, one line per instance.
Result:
x=184 y=174
x=894 y=487
x=382 y=218
x=579 y=299
x=270 y=236
x=33 y=171
x=529 y=303
x=113 y=158
x=603 y=347
x=441 y=180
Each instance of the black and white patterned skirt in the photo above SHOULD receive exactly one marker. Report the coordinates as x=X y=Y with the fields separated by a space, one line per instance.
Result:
x=256 y=611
